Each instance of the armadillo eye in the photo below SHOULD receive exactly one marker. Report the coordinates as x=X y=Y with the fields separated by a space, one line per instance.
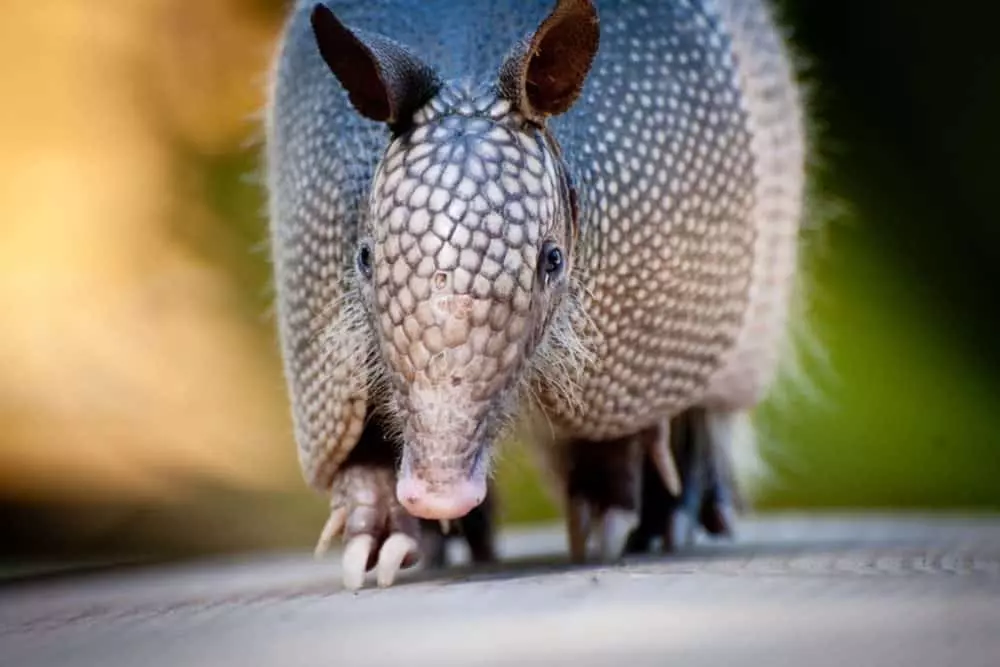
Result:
x=364 y=259
x=551 y=263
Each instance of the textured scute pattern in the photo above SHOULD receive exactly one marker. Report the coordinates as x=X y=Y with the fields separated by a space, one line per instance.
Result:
x=460 y=207
x=660 y=148
x=316 y=202
x=777 y=127
x=668 y=173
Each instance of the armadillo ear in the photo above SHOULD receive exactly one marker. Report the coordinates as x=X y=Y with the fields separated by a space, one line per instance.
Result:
x=544 y=74
x=384 y=81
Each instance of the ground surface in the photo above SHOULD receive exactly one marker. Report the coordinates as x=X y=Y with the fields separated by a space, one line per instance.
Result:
x=793 y=590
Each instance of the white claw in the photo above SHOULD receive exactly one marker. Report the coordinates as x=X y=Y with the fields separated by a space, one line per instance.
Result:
x=391 y=557
x=579 y=530
x=355 y=561
x=334 y=524
x=663 y=459
x=616 y=524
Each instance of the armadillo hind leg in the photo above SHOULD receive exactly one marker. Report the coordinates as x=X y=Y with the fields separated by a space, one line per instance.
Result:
x=657 y=504
x=709 y=501
x=708 y=498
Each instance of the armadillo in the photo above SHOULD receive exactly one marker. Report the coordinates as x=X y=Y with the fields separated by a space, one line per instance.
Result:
x=568 y=220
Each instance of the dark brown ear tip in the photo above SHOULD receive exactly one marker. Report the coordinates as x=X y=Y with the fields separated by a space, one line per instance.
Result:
x=383 y=80
x=577 y=7
x=547 y=76
x=322 y=17
x=351 y=61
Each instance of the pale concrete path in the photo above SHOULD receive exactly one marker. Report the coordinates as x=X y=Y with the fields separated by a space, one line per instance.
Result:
x=794 y=590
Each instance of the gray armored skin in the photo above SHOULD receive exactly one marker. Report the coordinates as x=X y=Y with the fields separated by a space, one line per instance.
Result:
x=572 y=220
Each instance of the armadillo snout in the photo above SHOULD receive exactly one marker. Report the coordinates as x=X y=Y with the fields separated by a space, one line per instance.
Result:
x=451 y=500
x=426 y=502
x=443 y=477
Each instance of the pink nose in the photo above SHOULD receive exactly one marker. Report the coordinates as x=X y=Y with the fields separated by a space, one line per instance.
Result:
x=450 y=501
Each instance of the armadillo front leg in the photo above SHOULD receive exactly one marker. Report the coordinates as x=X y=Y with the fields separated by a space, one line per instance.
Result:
x=602 y=489
x=710 y=495
x=377 y=532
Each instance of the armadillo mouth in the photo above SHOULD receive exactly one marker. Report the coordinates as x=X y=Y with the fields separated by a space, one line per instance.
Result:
x=429 y=494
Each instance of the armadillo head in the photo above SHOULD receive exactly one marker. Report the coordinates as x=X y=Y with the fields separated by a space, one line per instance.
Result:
x=465 y=260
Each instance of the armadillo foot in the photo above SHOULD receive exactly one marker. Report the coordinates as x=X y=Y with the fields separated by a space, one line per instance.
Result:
x=611 y=526
x=377 y=532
